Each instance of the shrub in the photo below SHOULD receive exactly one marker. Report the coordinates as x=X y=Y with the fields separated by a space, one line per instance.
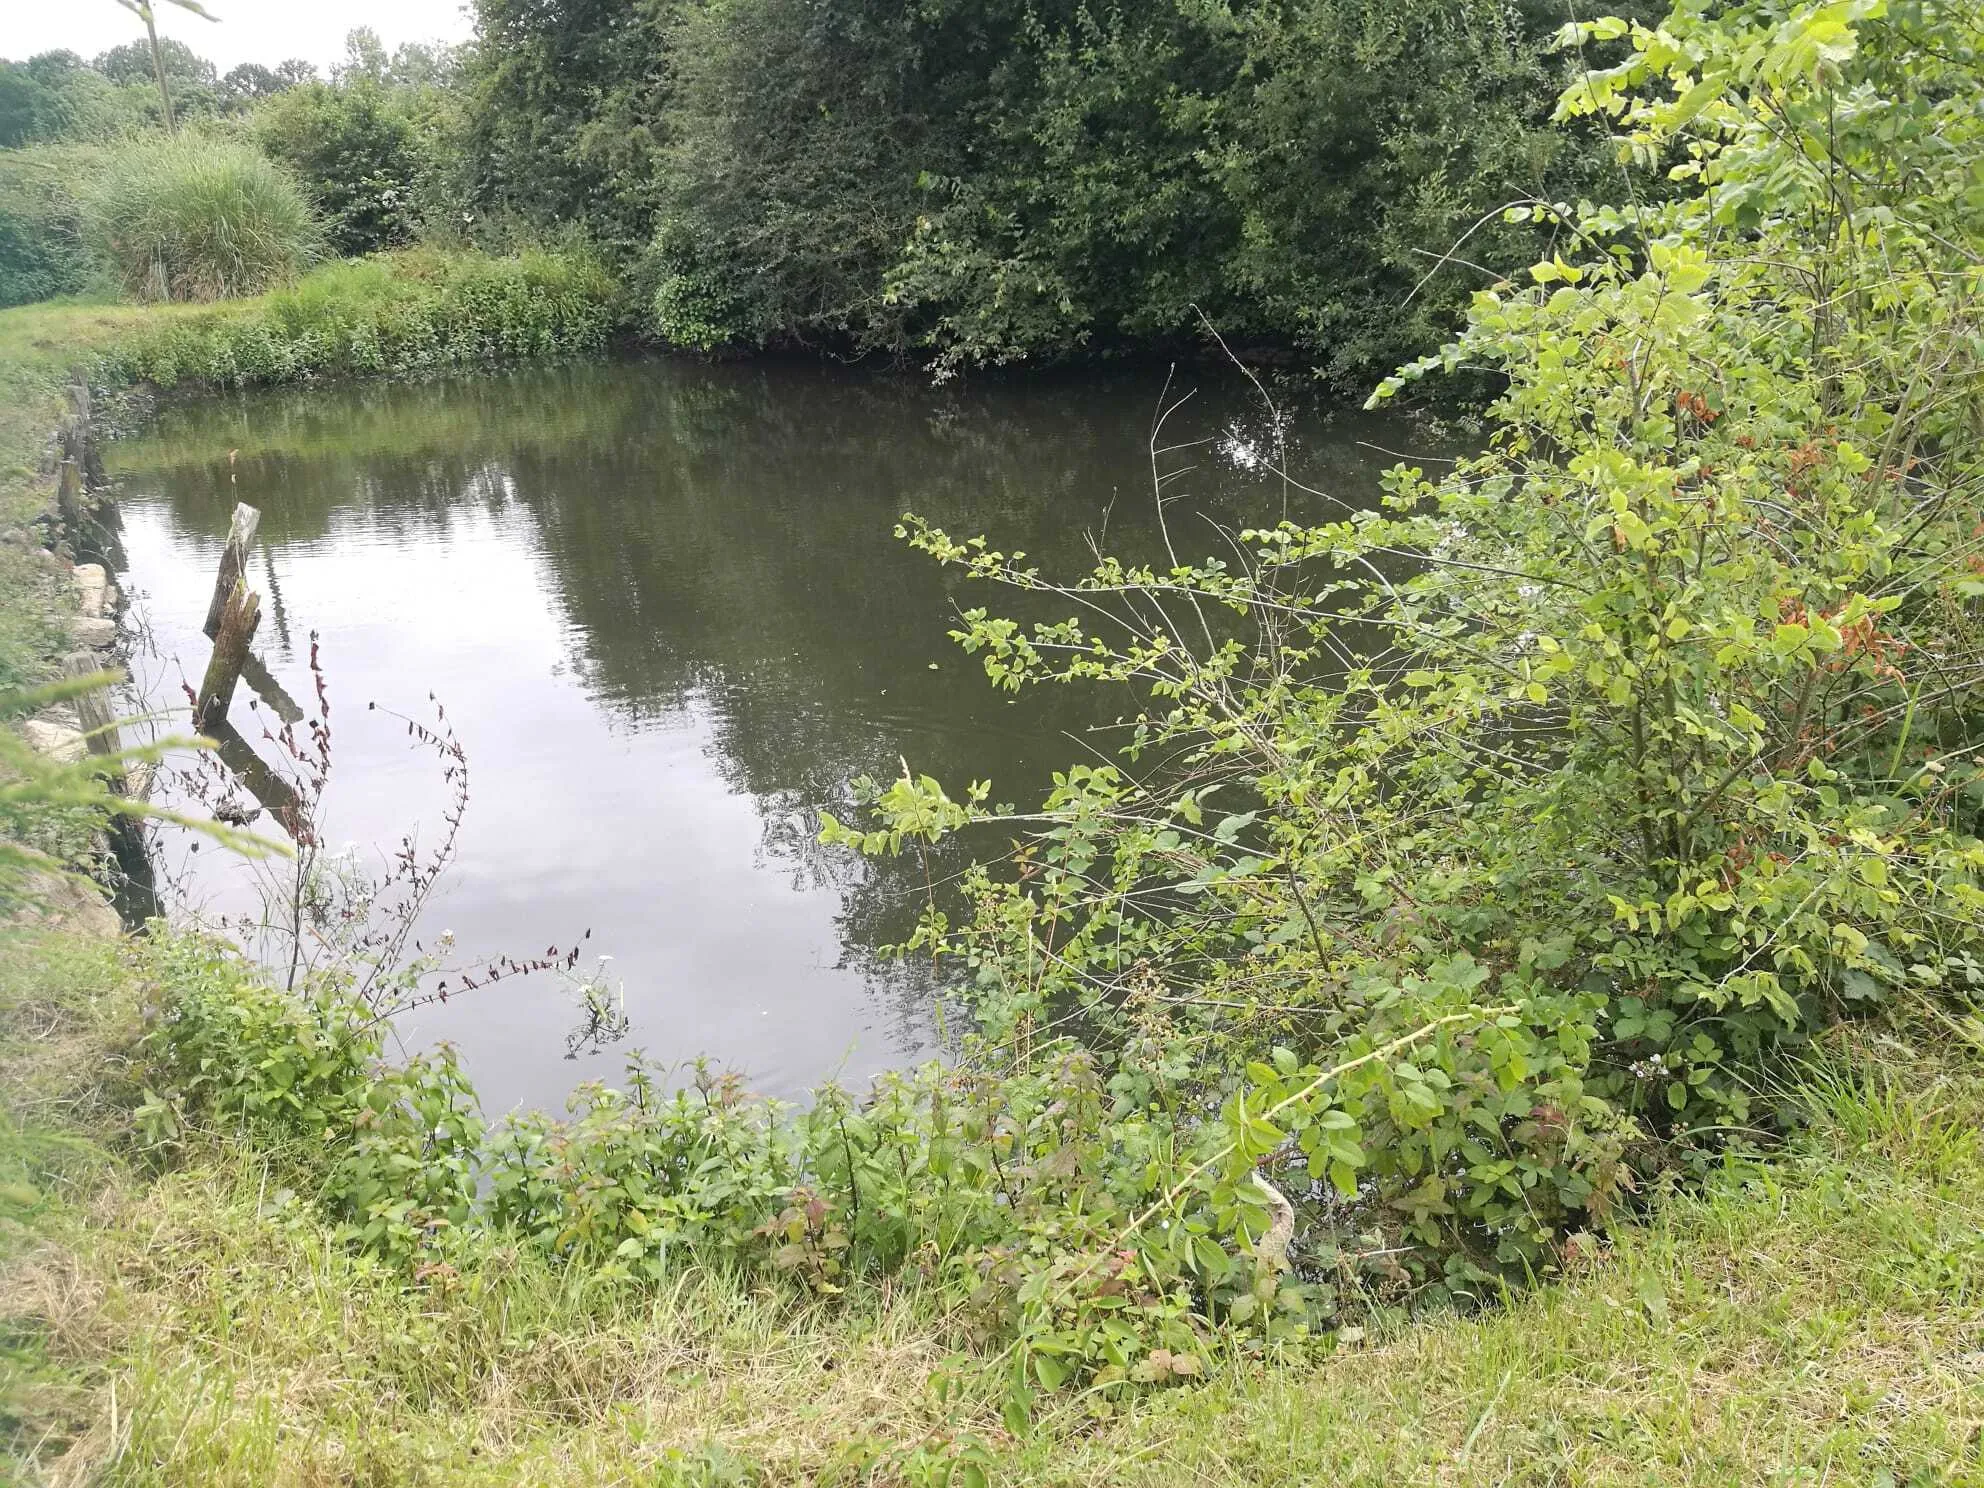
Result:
x=198 y=219
x=42 y=250
x=1650 y=734
x=391 y=1148
x=354 y=150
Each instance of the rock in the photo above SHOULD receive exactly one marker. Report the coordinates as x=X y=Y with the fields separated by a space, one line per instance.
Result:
x=52 y=739
x=96 y=595
x=94 y=631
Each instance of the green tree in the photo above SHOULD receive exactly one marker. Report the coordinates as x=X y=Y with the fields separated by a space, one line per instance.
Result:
x=565 y=113
x=995 y=182
x=248 y=83
x=56 y=97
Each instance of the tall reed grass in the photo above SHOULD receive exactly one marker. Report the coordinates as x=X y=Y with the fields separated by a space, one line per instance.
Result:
x=199 y=218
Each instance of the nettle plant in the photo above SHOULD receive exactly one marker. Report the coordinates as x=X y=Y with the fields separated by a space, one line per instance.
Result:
x=1604 y=767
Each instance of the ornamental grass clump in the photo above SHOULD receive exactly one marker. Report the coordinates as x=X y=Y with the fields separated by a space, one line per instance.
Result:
x=199 y=219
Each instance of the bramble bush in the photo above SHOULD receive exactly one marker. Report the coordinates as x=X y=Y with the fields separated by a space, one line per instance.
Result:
x=1476 y=862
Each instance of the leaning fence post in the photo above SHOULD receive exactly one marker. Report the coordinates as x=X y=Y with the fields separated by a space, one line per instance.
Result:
x=240 y=613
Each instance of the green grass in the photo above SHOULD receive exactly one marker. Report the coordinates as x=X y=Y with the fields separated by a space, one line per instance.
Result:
x=1818 y=1318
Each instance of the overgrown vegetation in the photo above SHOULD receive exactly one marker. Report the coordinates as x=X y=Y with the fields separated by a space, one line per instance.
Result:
x=1625 y=755
x=995 y=183
x=1812 y=1316
x=43 y=253
x=193 y=219
x=356 y=153
x=1476 y=869
x=373 y=153
x=418 y=312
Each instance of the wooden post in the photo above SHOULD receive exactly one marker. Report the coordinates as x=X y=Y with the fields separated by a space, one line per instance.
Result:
x=79 y=442
x=264 y=784
x=239 y=615
x=69 y=497
x=93 y=714
x=233 y=565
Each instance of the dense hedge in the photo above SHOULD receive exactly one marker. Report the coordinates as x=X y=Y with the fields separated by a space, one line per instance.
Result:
x=1016 y=180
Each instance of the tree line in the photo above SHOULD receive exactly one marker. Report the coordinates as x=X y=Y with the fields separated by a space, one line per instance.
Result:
x=988 y=181
x=970 y=184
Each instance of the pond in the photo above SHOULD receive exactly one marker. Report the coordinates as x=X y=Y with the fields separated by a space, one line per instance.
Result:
x=663 y=607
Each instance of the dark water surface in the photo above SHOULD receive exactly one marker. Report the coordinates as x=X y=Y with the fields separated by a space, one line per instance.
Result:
x=664 y=609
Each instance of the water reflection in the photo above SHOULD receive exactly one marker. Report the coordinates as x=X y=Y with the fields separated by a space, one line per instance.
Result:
x=664 y=608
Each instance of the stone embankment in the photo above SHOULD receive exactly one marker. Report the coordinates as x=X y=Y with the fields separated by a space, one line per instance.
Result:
x=81 y=519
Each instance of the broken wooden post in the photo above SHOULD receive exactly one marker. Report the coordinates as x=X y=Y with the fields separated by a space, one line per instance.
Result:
x=94 y=717
x=134 y=886
x=240 y=613
x=233 y=564
x=69 y=499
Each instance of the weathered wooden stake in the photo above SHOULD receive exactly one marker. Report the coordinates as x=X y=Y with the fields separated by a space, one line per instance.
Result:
x=93 y=714
x=233 y=564
x=69 y=496
x=240 y=613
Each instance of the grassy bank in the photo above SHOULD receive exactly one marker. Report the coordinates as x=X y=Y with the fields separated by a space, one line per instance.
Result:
x=1811 y=1319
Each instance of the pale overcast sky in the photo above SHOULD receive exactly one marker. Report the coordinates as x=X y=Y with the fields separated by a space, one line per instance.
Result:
x=265 y=31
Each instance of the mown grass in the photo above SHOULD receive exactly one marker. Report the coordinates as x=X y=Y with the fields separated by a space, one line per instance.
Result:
x=1815 y=1318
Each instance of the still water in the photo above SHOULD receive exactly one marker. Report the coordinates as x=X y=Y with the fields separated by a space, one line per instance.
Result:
x=664 y=609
